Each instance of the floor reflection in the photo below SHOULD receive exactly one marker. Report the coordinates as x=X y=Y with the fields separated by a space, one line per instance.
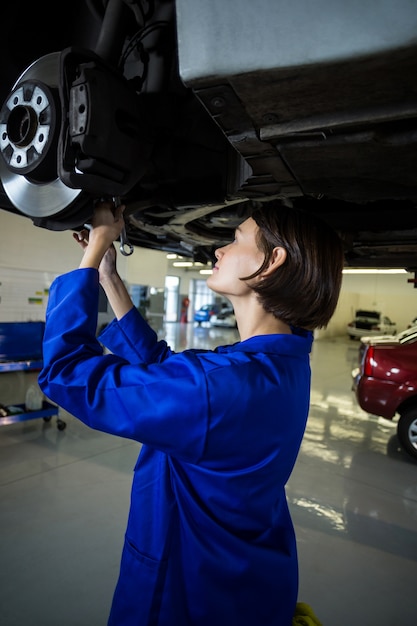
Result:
x=352 y=496
x=204 y=337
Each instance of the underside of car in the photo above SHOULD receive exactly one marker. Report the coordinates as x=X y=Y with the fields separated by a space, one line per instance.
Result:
x=192 y=112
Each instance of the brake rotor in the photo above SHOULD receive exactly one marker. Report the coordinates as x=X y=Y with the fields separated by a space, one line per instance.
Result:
x=29 y=130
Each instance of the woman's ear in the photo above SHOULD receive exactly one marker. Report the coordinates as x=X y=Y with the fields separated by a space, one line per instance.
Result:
x=277 y=259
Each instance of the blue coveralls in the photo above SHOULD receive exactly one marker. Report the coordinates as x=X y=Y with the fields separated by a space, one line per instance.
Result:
x=209 y=540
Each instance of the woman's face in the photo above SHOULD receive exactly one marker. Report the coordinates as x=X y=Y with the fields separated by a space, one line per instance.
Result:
x=241 y=257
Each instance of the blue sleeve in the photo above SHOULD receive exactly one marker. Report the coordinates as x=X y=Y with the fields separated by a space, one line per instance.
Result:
x=133 y=338
x=163 y=404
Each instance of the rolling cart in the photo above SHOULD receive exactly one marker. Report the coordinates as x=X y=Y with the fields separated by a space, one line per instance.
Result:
x=11 y=413
x=21 y=351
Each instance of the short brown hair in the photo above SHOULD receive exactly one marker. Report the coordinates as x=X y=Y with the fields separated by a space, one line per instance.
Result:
x=304 y=290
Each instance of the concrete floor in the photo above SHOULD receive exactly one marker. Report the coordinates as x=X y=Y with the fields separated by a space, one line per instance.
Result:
x=64 y=498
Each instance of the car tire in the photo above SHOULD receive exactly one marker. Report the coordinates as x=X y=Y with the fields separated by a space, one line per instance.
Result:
x=407 y=431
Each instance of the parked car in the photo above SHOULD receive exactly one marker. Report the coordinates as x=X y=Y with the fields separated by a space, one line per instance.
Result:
x=204 y=313
x=385 y=384
x=409 y=334
x=225 y=318
x=372 y=323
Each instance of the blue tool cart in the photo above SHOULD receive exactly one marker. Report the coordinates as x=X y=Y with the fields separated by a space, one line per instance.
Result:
x=21 y=351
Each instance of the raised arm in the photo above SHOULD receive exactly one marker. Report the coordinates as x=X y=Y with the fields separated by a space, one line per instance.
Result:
x=100 y=253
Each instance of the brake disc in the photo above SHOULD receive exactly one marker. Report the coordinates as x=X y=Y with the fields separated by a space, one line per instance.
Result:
x=29 y=131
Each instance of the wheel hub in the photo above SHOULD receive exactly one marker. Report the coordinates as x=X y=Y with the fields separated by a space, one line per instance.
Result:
x=29 y=132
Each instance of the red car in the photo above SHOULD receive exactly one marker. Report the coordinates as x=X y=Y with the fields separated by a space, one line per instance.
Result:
x=386 y=385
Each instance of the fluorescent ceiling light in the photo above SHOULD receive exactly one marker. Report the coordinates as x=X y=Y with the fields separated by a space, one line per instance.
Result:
x=182 y=264
x=374 y=271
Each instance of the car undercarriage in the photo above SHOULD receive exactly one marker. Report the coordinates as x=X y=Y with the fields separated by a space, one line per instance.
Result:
x=191 y=112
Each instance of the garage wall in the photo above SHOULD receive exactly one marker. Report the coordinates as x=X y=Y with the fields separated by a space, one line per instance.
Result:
x=31 y=257
x=25 y=246
x=391 y=294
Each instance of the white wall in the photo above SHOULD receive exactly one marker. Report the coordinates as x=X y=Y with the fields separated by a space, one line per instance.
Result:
x=32 y=257
x=389 y=293
x=25 y=246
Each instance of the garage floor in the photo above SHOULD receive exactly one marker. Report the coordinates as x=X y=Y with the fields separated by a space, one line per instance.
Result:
x=353 y=494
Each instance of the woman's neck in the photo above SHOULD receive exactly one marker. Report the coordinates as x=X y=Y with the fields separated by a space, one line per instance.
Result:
x=253 y=320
